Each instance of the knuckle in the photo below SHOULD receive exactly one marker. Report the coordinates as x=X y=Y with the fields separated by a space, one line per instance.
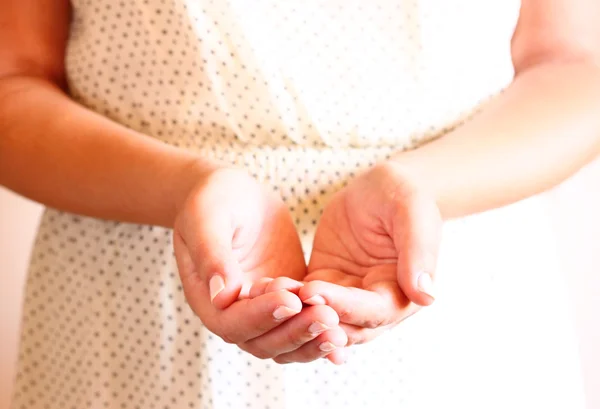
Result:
x=244 y=348
x=345 y=313
x=263 y=327
x=356 y=338
x=315 y=355
x=281 y=361
x=373 y=322
x=253 y=350
x=226 y=334
x=352 y=340
x=296 y=340
x=260 y=353
x=276 y=284
x=228 y=339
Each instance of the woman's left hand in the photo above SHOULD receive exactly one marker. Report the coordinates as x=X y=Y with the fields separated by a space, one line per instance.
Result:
x=375 y=252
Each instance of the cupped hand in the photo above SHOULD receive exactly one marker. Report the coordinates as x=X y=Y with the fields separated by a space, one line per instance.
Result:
x=375 y=252
x=232 y=232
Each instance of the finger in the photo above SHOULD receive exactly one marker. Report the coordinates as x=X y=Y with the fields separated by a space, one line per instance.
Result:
x=185 y=264
x=379 y=306
x=359 y=335
x=330 y=276
x=333 y=275
x=319 y=347
x=294 y=333
x=284 y=283
x=208 y=241
x=268 y=284
x=259 y=287
x=193 y=285
x=245 y=319
x=416 y=231
x=250 y=318
x=338 y=357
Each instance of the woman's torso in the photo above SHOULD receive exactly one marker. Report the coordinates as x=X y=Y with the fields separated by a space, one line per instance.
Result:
x=318 y=73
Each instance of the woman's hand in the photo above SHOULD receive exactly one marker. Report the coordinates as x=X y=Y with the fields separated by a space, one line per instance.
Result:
x=375 y=251
x=232 y=232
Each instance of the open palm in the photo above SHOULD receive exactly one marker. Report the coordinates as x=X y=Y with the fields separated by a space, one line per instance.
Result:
x=375 y=239
x=266 y=244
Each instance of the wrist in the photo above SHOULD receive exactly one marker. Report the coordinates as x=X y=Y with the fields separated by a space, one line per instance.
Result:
x=414 y=179
x=191 y=173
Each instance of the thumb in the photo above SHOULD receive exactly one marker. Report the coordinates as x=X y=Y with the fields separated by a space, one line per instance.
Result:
x=206 y=262
x=417 y=227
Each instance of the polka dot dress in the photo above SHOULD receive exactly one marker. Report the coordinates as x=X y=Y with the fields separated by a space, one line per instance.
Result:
x=303 y=95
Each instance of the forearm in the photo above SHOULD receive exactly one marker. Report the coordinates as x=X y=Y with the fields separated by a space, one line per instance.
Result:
x=56 y=152
x=540 y=131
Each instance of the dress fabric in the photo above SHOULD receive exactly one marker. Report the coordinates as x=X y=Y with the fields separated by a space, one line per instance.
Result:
x=303 y=94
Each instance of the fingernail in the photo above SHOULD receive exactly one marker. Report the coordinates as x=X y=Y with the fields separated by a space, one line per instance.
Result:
x=284 y=312
x=216 y=285
x=425 y=284
x=245 y=291
x=316 y=300
x=316 y=328
x=326 y=347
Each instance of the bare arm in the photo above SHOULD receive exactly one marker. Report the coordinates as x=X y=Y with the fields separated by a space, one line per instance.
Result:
x=540 y=131
x=56 y=152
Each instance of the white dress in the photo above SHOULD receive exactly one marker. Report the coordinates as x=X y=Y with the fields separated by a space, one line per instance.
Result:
x=303 y=94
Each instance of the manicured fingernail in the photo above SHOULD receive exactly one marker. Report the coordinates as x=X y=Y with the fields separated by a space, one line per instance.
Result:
x=284 y=312
x=216 y=285
x=316 y=300
x=245 y=291
x=316 y=328
x=425 y=284
x=326 y=347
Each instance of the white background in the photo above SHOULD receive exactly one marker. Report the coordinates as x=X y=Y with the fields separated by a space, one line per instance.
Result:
x=577 y=205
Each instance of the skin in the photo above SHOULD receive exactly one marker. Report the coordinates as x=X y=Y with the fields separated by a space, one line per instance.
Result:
x=54 y=151
x=216 y=238
x=370 y=238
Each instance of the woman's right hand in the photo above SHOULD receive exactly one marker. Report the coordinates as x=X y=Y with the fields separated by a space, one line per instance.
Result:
x=230 y=233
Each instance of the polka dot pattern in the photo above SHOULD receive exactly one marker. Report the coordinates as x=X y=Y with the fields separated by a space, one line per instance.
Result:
x=304 y=95
x=107 y=325
x=317 y=74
